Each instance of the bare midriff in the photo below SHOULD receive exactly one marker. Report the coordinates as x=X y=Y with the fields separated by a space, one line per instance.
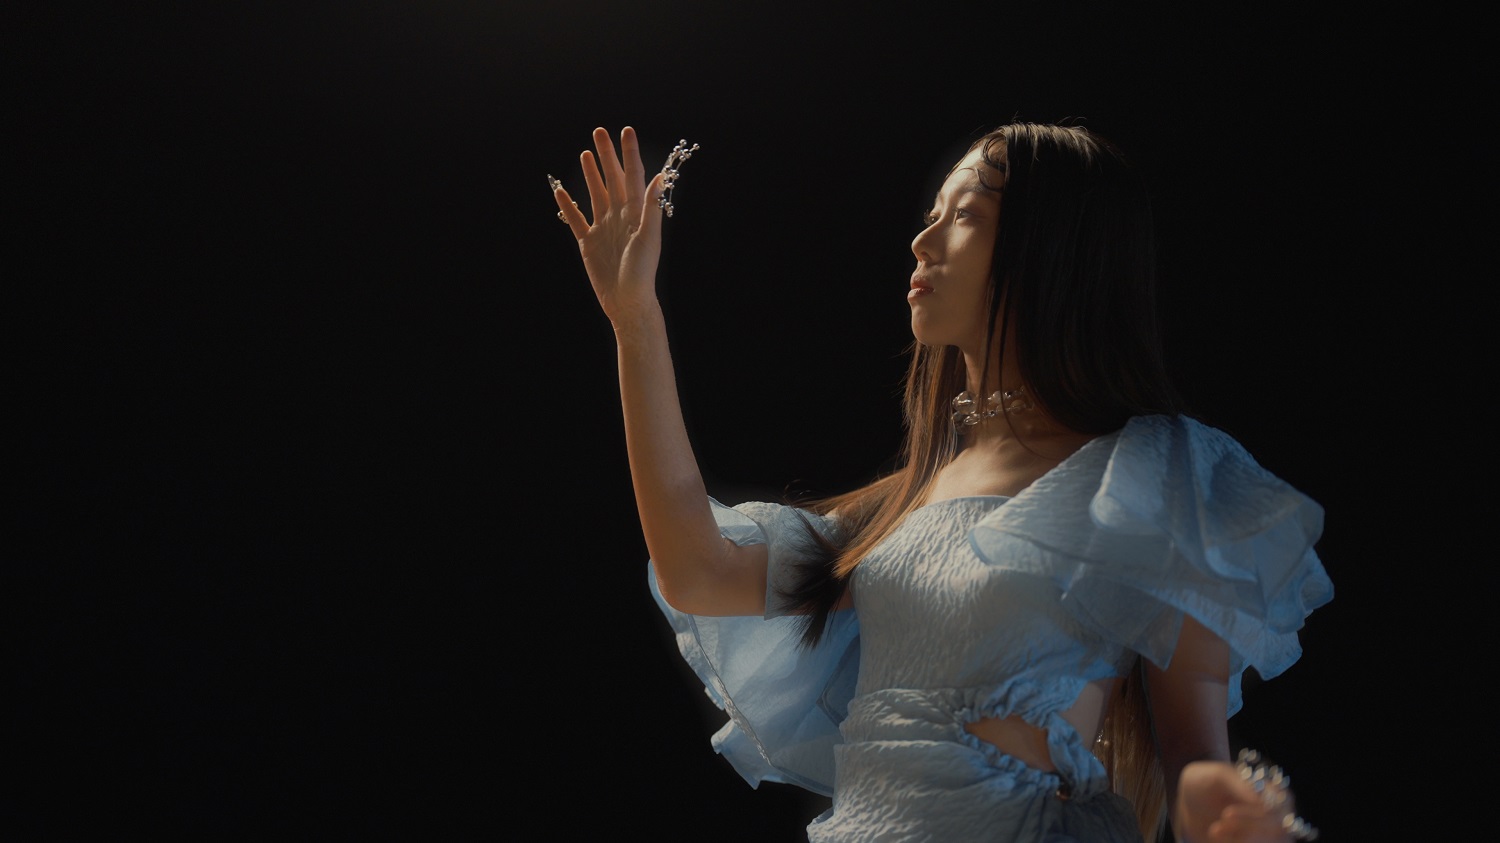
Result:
x=1028 y=744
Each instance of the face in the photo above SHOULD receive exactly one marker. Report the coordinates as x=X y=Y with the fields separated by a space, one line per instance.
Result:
x=950 y=287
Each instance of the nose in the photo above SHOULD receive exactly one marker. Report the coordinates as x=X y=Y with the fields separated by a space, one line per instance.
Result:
x=924 y=244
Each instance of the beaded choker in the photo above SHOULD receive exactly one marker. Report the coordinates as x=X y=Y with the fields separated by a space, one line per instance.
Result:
x=967 y=414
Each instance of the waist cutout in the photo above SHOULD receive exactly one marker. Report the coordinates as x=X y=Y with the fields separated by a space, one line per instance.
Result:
x=1016 y=738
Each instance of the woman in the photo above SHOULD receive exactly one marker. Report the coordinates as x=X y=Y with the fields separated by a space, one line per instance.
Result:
x=1034 y=628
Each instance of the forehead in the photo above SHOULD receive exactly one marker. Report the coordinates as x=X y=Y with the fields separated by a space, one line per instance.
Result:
x=966 y=173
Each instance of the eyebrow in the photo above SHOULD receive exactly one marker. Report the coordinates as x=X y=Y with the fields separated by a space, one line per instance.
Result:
x=980 y=188
x=977 y=188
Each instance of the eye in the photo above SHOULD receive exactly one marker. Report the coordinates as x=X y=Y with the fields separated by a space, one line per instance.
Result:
x=931 y=217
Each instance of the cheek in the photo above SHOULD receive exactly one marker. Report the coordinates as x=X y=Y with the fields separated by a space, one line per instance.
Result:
x=976 y=251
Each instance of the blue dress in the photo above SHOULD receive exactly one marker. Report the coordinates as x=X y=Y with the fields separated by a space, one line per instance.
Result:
x=992 y=606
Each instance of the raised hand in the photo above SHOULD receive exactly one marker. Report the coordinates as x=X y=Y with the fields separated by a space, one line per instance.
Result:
x=622 y=245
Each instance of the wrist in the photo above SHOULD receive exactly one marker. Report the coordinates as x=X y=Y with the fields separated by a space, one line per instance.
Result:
x=639 y=320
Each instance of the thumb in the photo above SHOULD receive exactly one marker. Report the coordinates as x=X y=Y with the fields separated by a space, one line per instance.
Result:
x=652 y=213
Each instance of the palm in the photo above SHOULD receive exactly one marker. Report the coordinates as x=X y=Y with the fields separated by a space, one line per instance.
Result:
x=622 y=246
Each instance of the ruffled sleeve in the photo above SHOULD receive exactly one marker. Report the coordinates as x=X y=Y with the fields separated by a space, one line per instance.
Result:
x=1164 y=518
x=784 y=702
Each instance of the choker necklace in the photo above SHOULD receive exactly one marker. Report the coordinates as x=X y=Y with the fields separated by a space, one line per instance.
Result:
x=967 y=415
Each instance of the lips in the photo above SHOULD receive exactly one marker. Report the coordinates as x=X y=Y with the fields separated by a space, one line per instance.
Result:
x=919 y=287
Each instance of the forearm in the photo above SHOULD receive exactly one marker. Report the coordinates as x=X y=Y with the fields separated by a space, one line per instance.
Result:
x=1189 y=726
x=697 y=569
x=1188 y=704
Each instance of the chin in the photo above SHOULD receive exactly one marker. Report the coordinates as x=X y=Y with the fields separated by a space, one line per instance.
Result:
x=918 y=334
x=924 y=334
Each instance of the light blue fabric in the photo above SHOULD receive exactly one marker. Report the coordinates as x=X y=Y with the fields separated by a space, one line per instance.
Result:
x=784 y=703
x=991 y=606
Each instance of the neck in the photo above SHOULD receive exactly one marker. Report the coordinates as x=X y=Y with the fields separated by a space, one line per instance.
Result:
x=1005 y=417
x=1020 y=419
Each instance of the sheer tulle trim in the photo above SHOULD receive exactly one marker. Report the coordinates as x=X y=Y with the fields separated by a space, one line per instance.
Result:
x=784 y=702
x=1165 y=518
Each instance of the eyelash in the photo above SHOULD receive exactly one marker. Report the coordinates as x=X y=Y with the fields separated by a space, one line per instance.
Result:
x=932 y=216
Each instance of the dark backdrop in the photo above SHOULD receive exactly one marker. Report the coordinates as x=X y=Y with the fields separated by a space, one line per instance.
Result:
x=322 y=519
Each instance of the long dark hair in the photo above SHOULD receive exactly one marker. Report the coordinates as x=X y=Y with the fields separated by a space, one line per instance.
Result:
x=1074 y=276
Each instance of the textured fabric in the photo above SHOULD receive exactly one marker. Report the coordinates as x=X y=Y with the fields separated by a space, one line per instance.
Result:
x=784 y=703
x=990 y=606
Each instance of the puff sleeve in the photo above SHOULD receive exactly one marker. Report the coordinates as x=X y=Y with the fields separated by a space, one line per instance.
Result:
x=1170 y=517
x=784 y=702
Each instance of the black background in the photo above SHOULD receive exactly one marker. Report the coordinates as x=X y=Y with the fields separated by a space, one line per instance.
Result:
x=322 y=519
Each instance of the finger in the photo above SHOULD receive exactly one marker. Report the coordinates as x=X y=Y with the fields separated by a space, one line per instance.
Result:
x=651 y=213
x=614 y=175
x=598 y=193
x=635 y=171
x=567 y=209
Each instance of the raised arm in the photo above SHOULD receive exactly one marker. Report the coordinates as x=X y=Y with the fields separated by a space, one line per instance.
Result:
x=698 y=571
